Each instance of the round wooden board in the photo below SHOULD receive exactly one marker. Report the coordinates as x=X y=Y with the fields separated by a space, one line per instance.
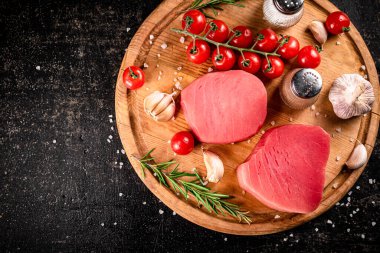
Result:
x=139 y=133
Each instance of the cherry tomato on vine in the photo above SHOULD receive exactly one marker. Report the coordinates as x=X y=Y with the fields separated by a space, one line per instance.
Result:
x=290 y=49
x=251 y=64
x=217 y=31
x=266 y=40
x=338 y=22
x=274 y=69
x=198 y=54
x=194 y=21
x=225 y=60
x=133 y=77
x=309 y=57
x=242 y=37
x=182 y=143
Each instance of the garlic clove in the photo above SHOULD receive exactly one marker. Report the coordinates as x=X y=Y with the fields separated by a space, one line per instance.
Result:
x=152 y=100
x=319 y=31
x=351 y=95
x=214 y=166
x=166 y=114
x=358 y=157
x=164 y=103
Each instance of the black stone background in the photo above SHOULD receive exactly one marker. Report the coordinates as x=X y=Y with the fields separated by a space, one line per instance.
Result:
x=70 y=196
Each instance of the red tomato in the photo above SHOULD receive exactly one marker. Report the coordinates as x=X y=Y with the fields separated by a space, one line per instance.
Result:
x=251 y=64
x=225 y=60
x=338 y=22
x=133 y=77
x=290 y=49
x=266 y=40
x=194 y=21
x=309 y=57
x=198 y=54
x=275 y=69
x=243 y=37
x=182 y=143
x=219 y=31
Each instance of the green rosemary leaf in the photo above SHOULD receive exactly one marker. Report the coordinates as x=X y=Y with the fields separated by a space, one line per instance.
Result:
x=213 y=5
x=147 y=154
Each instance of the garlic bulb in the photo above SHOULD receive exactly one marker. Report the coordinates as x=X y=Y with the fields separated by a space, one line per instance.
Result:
x=160 y=106
x=214 y=166
x=318 y=30
x=283 y=14
x=357 y=158
x=351 y=95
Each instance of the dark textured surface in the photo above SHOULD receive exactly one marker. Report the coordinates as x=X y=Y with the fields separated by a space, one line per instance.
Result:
x=60 y=187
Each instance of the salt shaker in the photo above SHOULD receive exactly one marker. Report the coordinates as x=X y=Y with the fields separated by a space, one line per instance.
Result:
x=300 y=88
x=283 y=13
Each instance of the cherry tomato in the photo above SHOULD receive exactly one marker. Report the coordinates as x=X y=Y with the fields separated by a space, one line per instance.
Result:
x=182 y=143
x=243 y=37
x=309 y=57
x=219 y=31
x=251 y=64
x=225 y=60
x=275 y=69
x=133 y=77
x=266 y=40
x=198 y=54
x=338 y=22
x=290 y=49
x=194 y=21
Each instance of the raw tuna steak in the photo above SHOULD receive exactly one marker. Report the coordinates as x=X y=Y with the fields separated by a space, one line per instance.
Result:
x=286 y=170
x=225 y=107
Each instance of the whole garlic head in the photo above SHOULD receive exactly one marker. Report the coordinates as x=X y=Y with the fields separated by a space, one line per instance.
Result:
x=351 y=95
x=160 y=106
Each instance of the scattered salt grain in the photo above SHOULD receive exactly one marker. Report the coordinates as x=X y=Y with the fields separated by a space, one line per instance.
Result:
x=179 y=68
x=273 y=123
x=358 y=187
x=102 y=224
x=112 y=128
x=178 y=86
x=262 y=132
x=329 y=222
x=325 y=115
x=151 y=42
x=312 y=107
x=373 y=202
x=357 y=209
x=117 y=151
x=210 y=69
x=285 y=239
x=115 y=223
x=351 y=215
x=158 y=55
x=365 y=76
x=144 y=203
x=349 y=193
x=349 y=199
x=351 y=139
x=337 y=158
x=180 y=78
x=317 y=114
x=175 y=80
x=164 y=45
x=338 y=43
x=373 y=223
x=225 y=239
x=157 y=65
x=362 y=67
x=338 y=129
x=174 y=213
x=38 y=68
x=109 y=141
x=154 y=174
x=333 y=225
x=249 y=141
x=120 y=194
x=128 y=29
x=335 y=185
x=363 y=236
x=277 y=216
x=110 y=137
x=111 y=120
x=175 y=73
x=159 y=78
x=121 y=163
x=123 y=151
x=337 y=204
x=54 y=141
x=115 y=162
x=151 y=37
x=348 y=230
x=182 y=40
x=290 y=119
x=316 y=229
x=160 y=73
x=160 y=211
x=291 y=235
x=146 y=65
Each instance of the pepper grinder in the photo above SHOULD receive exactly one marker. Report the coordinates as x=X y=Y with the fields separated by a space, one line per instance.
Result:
x=283 y=13
x=300 y=88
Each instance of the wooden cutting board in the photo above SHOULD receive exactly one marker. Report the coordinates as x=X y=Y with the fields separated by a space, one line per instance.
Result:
x=139 y=133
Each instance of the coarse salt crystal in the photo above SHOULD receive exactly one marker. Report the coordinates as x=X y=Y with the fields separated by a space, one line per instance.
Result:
x=123 y=151
x=151 y=37
x=273 y=123
x=102 y=224
x=362 y=67
x=357 y=187
x=120 y=194
x=262 y=132
x=111 y=120
x=182 y=39
x=312 y=107
x=349 y=199
x=112 y=128
x=335 y=185
x=160 y=72
x=329 y=222
x=316 y=229
x=159 y=78
x=325 y=115
x=179 y=68
x=225 y=239
x=151 y=42
x=337 y=158
x=175 y=80
x=144 y=203
x=121 y=163
x=54 y=141
x=174 y=213
x=175 y=73
x=338 y=129
x=333 y=225
x=357 y=209
x=180 y=78
x=373 y=223
x=338 y=43
x=351 y=139
x=110 y=137
x=285 y=239
x=128 y=29
x=164 y=45
x=117 y=151
x=110 y=116
x=157 y=65
x=348 y=230
x=38 y=67
x=363 y=236
x=317 y=114
x=160 y=211
x=365 y=76
x=349 y=193
x=210 y=69
x=158 y=55
x=351 y=215
x=109 y=141
x=277 y=216
x=291 y=235
x=178 y=85
x=249 y=141
x=146 y=65
x=370 y=181
x=115 y=223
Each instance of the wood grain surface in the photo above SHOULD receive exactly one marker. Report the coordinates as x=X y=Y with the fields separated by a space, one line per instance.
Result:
x=139 y=133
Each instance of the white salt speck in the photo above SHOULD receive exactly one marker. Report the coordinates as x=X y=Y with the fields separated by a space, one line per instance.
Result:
x=349 y=193
x=111 y=120
x=159 y=78
x=351 y=139
x=158 y=65
x=349 y=199
x=291 y=235
x=128 y=29
x=373 y=202
x=338 y=43
x=175 y=73
x=123 y=151
x=225 y=239
x=249 y=141
x=115 y=223
x=373 y=223
x=158 y=55
x=115 y=162
x=38 y=67
x=351 y=215
x=333 y=135
x=312 y=107
x=370 y=181
x=178 y=86
x=180 y=78
x=109 y=141
x=151 y=42
x=273 y=123
x=290 y=119
x=325 y=115
x=164 y=45
x=285 y=239
x=335 y=185
x=182 y=39
x=144 y=203
x=154 y=174
x=362 y=67
x=146 y=65
x=262 y=132
x=210 y=69
x=151 y=37
x=363 y=236
x=365 y=76
x=357 y=187
x=353 y=212
x=110 y=137
x=337 y=158
x=333 y=225
x=277 y=216
x=102 y=224
x=338 y=129
x=175 y=80
x=54 y=141
x=179 y=68
x=174 y=213
x=120 y=194
x=348 y=230
x=357 y=209
x=329 y=222
x=317 y=114
x=160 y=211
x=110 y=116
x=111 y=128
x=337 y=204
x=316 y=229
x=121 y=163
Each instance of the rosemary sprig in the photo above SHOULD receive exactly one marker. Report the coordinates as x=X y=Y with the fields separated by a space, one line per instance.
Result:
x=213 y=5
x=212 y=201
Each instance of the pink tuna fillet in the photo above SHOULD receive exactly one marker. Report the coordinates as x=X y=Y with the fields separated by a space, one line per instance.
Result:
x=286 y=170
x=225 y=107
